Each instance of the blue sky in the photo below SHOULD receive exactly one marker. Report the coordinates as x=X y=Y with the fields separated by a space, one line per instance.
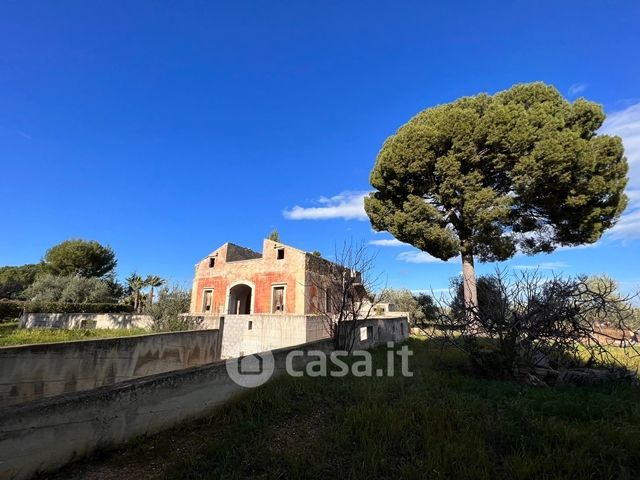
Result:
x=166 y=128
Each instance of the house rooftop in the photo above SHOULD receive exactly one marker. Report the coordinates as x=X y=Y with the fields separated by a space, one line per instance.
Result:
x=238 y=253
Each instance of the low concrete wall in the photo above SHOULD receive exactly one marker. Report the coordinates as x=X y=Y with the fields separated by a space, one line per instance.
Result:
x=85 y=320
x=47 y=434
x=37 y=371
x=44 y=435
x=247 y=334
x=196 y=320
x=380 y=330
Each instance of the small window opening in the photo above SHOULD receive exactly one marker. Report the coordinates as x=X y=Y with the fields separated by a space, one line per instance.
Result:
x=363 y=333
x=278 y=300
x=207 y=301
x=280 y=254
x=250 y=327
x=212 y=262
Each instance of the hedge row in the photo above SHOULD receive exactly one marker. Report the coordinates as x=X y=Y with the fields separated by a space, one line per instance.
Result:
x=60 y=307
x=10 y=309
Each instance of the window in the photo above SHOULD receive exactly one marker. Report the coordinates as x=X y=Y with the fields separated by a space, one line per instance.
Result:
x=370 y=332
x=250 y=326
x=207 y=300
x=277 y=301
x=363 y=333
x=280 y=254
x=327 y=301
x=212 y=262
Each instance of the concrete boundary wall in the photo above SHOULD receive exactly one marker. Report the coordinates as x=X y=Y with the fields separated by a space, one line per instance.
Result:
x=247 y=334
x=31 y=372
x=47 y=434
x=380 y=330
x=251 y=333
x=85 y=320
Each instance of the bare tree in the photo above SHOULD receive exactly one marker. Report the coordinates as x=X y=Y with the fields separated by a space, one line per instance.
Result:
x=347 y=286
x=544 y=330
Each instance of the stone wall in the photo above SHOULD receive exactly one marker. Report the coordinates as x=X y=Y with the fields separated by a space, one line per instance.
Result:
x=85 y=320
x=33 y=372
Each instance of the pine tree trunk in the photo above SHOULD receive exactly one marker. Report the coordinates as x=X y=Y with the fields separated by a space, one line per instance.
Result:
x=469 y=285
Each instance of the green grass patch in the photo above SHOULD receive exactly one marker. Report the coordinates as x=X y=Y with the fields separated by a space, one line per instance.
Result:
x=441 y=423
x=11 y=334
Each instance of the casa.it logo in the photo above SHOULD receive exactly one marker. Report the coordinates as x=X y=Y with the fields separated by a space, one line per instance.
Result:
x=252 y=370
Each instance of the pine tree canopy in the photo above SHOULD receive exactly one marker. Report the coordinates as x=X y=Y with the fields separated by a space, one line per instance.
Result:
x=486 y=175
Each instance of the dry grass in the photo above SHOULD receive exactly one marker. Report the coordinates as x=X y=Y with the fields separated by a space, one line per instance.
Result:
x=441 y=423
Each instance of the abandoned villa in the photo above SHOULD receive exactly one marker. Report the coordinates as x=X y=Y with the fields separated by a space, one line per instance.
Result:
x=278 y=298
x=280 y=280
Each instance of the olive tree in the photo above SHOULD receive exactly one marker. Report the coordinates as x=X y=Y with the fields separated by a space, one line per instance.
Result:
x=486 y=175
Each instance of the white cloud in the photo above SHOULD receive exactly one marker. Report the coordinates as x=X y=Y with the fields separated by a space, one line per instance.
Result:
x=579 y=247
x=387 y=242
x=434 y=291
x=421 y=257
x=543 y=266
x=626 y=124
x=577 y=88
x=347 y=205
x=628 y=227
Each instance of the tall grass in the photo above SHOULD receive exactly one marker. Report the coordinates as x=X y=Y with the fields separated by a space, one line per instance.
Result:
x=441 y=423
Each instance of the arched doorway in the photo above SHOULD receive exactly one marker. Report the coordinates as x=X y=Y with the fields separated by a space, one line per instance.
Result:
x=240 y=299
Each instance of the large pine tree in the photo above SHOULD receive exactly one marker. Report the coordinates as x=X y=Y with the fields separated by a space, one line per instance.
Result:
x=486 y=175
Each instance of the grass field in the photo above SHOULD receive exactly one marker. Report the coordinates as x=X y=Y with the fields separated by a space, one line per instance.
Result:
x=11 y=335
x=441 y=423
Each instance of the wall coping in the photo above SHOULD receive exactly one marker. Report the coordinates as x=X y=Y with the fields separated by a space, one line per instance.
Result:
x=12 y=412
x=57 y=345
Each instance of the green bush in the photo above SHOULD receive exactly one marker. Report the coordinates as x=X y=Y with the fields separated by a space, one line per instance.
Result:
x=63 y=307
x=10 y=309
x=172 y=301
x=70 y=289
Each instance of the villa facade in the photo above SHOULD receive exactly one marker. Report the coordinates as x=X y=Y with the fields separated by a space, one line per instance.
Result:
x=234 y=280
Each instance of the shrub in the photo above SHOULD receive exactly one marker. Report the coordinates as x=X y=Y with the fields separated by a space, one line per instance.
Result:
x=10 y=309
x=67 y=307
x=421 y=308
x=535 y=326
x=172 y=301
x=70 y=289
x=491 y=297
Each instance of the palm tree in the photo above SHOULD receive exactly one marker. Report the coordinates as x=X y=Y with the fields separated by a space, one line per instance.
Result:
x=135 y=284
x=153 y=281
